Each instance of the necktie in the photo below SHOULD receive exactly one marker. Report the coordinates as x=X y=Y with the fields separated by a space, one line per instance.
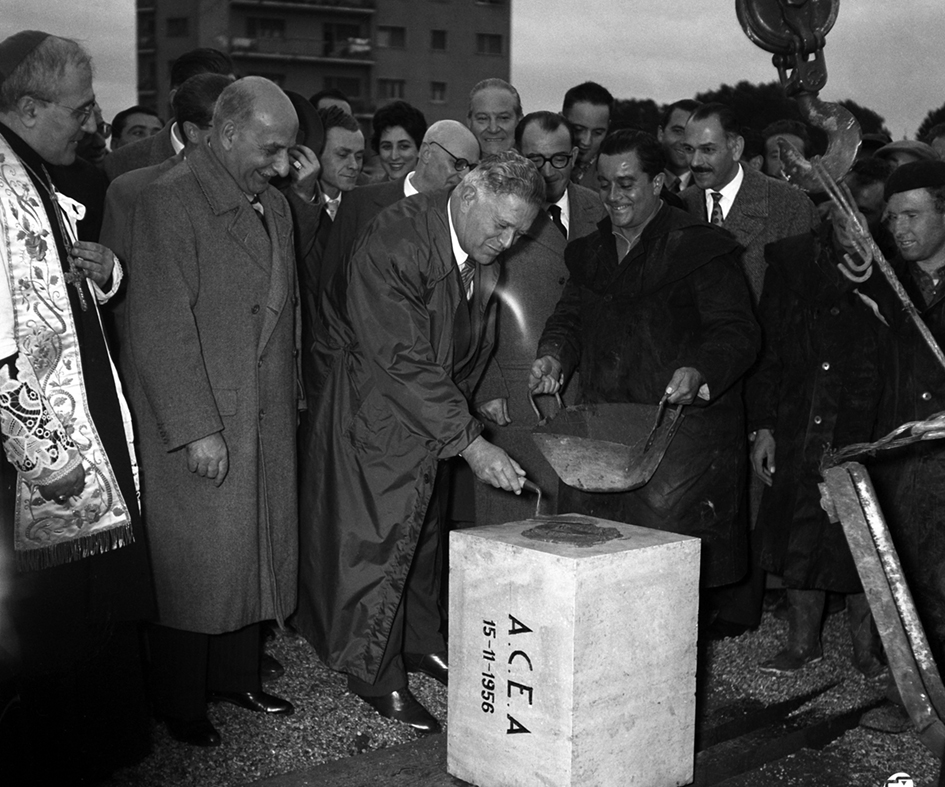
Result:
x=466 y=272
x=716 y=218
x=260 y=210
x=677 y=186
x=332 y=205
x=555 y=212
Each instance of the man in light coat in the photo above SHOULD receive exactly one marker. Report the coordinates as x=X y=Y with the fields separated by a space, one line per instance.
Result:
x=209 y=358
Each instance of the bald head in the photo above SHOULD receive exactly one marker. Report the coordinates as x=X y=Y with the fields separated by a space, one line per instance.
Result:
x=446 y=145
x=254 y=125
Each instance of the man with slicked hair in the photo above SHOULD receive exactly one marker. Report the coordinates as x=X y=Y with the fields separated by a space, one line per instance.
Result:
x=209 y=360
x=671 y=134
x=495 y=108
x=588 y=108
x=404 y=332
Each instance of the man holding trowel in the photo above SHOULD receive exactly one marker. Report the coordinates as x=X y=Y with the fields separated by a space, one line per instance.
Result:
x=656 y=306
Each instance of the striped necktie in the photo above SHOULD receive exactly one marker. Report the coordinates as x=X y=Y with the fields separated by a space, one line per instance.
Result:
x=466 y=272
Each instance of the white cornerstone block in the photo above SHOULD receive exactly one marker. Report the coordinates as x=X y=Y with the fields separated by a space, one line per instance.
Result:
x=572 y=664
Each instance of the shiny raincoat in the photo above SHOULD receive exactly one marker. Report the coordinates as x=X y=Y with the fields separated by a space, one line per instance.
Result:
x=398 y=352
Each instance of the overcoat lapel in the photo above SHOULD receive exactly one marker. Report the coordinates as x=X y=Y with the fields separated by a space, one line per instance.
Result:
x=278 y=275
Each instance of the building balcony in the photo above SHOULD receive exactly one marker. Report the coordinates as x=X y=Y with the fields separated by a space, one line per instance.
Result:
x=352 y=51
x=333 y=6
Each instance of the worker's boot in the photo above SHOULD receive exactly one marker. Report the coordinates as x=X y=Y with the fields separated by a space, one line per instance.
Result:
x=868 y=655
x=805 y=615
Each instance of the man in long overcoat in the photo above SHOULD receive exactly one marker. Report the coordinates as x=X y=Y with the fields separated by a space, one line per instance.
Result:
x=209 y=359
x=656 y=304
x=406 y=327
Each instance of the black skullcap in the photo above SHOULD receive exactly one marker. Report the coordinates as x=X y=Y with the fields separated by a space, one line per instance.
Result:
x=14 y=50
x=915 y=175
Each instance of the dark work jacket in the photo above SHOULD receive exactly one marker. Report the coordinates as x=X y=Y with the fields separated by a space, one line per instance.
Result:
x=816 y=385
x=397 y=352
x=910 y=482
x=678 y=299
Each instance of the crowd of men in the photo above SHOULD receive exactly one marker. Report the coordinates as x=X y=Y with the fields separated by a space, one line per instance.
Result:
x=240 y=382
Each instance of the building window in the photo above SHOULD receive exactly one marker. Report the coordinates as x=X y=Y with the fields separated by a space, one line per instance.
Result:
x=390 y=88
x=178 y=27
x=438 y=40
x=488 y=44
x=438 y=92
x=265 y=27
x=391 y=37
x=350 y=86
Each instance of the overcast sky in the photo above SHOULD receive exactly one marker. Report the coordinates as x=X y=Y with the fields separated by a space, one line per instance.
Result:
x=885 y=55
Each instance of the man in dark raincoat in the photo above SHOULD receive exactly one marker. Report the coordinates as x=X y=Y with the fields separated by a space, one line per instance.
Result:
x=656 y=303
x=407 y=325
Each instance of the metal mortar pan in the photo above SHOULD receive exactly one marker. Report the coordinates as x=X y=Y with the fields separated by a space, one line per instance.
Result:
x=603 y=447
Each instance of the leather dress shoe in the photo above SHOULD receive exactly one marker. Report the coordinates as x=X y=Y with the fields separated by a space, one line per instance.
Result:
x=436 y=665
x=197 y=732
x=269 y=667
x=402 y=706
x=256 y=701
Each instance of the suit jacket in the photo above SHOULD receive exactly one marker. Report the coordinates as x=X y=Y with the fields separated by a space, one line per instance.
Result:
x=357 y=210
x=531 y=282
x=765 y=210
x=142 y=153
x=210 y=349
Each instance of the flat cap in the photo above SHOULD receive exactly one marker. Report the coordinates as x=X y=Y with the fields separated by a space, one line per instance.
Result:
x=911 y=146
x=13 y=50
x=915 y=175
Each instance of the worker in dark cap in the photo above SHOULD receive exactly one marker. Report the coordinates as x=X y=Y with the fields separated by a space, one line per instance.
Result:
x=911 y=482
x=69 y=497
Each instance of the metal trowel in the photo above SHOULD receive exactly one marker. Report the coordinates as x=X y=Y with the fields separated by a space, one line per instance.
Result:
x=531 y=486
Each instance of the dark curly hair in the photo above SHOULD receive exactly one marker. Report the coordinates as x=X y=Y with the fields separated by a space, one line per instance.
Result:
x=398 y=113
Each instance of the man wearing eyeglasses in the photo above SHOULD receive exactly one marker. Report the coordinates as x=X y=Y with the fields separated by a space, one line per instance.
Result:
x=449 y=150
x=68 y=494
x=533 y=278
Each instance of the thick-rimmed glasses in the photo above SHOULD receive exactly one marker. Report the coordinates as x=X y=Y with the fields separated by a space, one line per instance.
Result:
x=557 y=160
x=459 y=164
x=82 y=114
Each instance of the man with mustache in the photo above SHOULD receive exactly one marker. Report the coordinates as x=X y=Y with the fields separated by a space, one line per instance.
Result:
x=756 y=210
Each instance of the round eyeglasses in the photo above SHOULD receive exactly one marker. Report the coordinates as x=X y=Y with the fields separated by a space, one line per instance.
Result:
x=558 y=160
x=459 y=164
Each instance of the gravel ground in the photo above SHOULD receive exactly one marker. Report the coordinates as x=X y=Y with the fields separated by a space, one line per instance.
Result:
x=329 y=723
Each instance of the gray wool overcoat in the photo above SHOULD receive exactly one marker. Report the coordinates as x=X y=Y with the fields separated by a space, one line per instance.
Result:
x=211 y=338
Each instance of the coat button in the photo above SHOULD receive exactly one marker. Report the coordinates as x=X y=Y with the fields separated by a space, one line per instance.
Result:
x=608 y=298
x=561 y=280
x=255 y=309
x=926 y=396
x=825 y=366
x=835 y=311
x=818 y=419
x=262 y=414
